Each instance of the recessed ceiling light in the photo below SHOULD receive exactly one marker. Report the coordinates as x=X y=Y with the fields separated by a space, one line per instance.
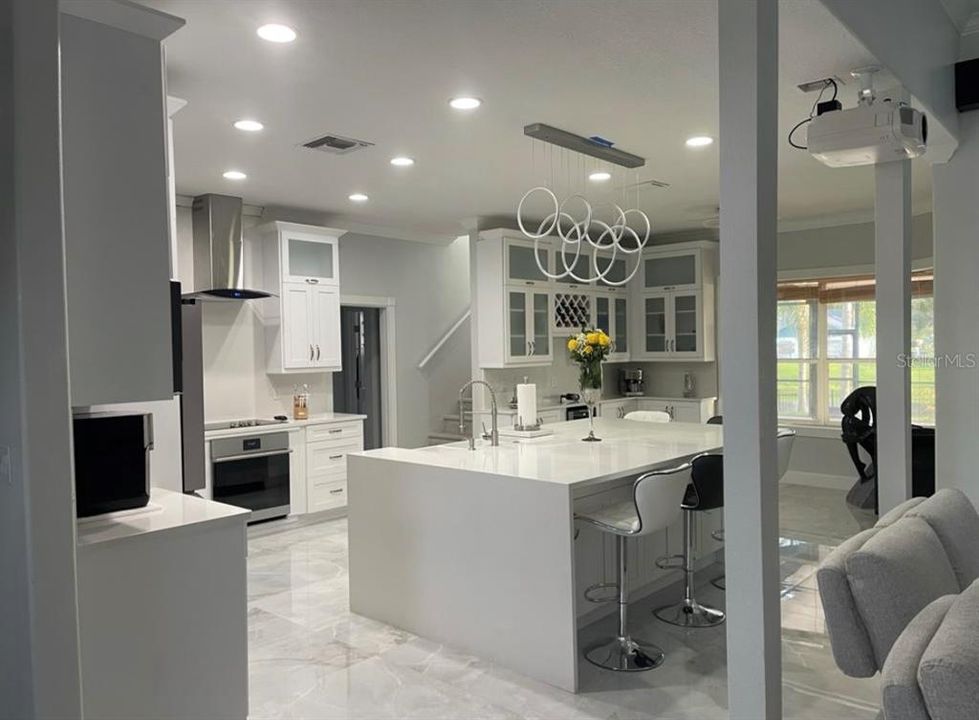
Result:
x=234 y=175
x=402 y=161
x=358 y=197
x=277 y=33
x=249 y=125
x=699 y=141
x=465 y=103
x=600 y=176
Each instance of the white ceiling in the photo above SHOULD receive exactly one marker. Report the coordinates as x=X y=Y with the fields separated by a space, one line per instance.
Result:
x=640 y=72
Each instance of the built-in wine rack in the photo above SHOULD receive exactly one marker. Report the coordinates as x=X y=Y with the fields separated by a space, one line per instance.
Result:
x=572 y=311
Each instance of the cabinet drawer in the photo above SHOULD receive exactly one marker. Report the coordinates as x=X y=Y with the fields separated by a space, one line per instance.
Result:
x=335 y=431
x=326 y=492
x=329 y=457
x=549 y=417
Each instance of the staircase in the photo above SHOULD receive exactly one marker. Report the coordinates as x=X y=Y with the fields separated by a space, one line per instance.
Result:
x=449 y=431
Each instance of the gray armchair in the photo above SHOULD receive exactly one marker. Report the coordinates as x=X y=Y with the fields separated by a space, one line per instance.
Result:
x=902 y=599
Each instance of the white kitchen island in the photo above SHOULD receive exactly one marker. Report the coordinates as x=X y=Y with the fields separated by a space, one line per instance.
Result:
x=478 y=549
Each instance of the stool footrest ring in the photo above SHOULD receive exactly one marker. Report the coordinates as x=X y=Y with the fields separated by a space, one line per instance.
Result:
x=669 y=562
x=603 y=592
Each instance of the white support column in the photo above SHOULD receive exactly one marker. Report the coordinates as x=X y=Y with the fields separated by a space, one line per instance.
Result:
x=748 y=37
x=892 y=229
x=956 y=231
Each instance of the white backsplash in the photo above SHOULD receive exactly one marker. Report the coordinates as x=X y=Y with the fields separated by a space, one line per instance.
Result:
x=235 y=382
x=663 y=379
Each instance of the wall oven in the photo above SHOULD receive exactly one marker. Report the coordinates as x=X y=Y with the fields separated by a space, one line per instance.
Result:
x=252 y=472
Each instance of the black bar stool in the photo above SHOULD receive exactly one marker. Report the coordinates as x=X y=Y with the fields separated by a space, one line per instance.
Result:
x=705 y=492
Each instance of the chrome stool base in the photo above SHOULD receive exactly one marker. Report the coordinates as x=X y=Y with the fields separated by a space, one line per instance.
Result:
x=690 y=614
x=625 y=654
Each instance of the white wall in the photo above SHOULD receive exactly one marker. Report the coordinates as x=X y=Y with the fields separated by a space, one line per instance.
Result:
x=430 y=285
x=844 y=247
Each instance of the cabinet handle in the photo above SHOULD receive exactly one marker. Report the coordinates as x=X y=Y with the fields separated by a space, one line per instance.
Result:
x=312 y=281
x=529 y=282
x=337 y=491
x=317 y=352
x=336 y=430
x=533 y=347
x=311 y=353
x=335 y=457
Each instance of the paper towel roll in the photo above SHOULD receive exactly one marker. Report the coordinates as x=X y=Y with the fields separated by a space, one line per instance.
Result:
x=526 y=404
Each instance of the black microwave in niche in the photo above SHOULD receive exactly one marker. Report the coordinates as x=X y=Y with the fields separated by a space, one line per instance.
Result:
x=112 y=461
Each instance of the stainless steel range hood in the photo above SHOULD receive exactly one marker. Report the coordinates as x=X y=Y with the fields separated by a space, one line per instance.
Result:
x=218 y=256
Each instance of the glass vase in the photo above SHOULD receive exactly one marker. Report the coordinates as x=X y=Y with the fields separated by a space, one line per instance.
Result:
x=590 y=381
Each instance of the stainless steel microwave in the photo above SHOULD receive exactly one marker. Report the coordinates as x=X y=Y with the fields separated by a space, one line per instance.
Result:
x=112 y=461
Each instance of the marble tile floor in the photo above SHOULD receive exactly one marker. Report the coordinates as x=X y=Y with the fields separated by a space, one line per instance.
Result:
x=309 y=657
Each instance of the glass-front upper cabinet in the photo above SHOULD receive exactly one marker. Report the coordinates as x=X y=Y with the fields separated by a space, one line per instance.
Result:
x=614 y=270
x=518 y=346
x=581 y=271
x=528 y=327
x=620 y=327
x=611 y=315
x=309 y=258
x=521 y=259
x=679 y=270
x=686 y=321
x=654 y=323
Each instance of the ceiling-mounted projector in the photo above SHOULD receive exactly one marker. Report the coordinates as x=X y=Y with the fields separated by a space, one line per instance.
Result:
x=868 y=134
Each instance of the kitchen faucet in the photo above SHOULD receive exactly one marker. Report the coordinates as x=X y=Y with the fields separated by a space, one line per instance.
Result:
x=495 y=432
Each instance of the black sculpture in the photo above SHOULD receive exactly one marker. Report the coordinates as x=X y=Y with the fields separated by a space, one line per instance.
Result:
x=859 y=430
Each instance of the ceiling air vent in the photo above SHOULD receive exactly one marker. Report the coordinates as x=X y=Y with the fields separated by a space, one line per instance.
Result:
x=336 y=144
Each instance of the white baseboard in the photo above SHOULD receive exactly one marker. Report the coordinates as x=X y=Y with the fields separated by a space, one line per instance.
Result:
x=821 y=480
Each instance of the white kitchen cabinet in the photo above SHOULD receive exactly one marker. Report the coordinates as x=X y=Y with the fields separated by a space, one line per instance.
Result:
x=327 y=448
x=297 y=326
x=691 y=410
x=615 y=269
x=549 y=417
x=308 y=257
x=677 y=269
x=116 y=214
x=582 y=272
x=528 y=328
x=675 y=297
x=310 y=325
x=678 y=325
x=521 y=262
x=616 y=409
x=299 y=266
x=612 y=316
x=514 y=302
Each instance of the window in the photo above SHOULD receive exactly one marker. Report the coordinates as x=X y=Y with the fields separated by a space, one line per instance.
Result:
x=827 y=346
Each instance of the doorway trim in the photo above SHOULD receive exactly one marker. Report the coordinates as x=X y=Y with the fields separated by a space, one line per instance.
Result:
x=389 y=364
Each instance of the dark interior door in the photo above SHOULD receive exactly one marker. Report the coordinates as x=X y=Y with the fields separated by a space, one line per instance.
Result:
x=357 y=388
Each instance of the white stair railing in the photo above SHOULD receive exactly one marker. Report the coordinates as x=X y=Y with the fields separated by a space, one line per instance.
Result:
x=444 y=339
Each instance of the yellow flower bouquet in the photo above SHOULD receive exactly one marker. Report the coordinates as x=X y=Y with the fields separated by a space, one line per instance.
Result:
x=589 y=348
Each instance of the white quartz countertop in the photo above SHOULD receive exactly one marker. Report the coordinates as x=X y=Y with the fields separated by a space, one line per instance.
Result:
x=627 y=447
x=288 y=425
x=167 y=511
